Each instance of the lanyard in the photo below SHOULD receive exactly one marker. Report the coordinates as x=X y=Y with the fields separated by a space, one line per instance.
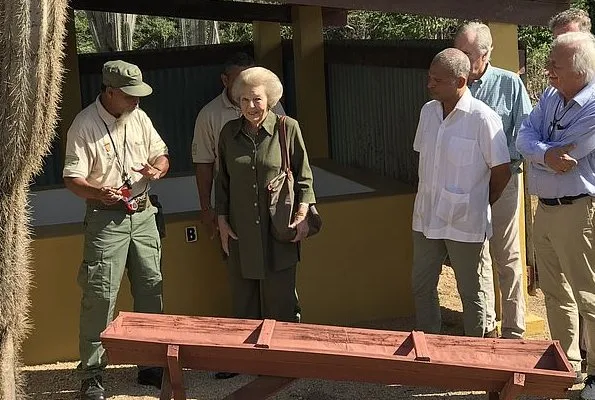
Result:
x=121 y=161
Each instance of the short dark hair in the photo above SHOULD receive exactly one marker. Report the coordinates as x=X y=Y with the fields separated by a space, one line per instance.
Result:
x=239 y=59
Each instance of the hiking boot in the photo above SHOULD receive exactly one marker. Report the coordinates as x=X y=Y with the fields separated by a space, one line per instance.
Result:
x=588 y=392
x=92 y=389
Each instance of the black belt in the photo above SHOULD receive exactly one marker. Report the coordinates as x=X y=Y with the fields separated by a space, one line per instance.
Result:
x=562 y=200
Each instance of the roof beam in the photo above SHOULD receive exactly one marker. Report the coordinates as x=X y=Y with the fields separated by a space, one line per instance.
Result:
x=214 y=10
x=519 y=12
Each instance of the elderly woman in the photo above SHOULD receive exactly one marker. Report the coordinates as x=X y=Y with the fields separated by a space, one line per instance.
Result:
x=262 y=269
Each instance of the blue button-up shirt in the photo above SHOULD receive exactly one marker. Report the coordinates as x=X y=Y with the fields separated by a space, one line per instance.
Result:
x=552 y=124
x=505 y=93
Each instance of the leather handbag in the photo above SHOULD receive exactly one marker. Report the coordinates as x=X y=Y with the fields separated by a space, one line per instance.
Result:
x=282 y=205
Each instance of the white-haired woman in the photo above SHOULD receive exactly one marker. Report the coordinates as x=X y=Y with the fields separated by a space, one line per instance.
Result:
x=262 y=269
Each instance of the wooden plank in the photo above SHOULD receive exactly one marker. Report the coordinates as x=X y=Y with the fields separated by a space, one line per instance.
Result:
x=261 y=388
x=519 y=12
x=420 y=346
x=514 y=387
x=175 y=372
x=338 y=353
x=266 y=334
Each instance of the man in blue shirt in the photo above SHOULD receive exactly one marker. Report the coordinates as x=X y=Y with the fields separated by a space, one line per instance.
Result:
x=504 y=92
x=558 y=139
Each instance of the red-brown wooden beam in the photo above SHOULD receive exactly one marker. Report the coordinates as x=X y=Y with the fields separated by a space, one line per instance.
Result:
x=213 y=10
x=520 y=12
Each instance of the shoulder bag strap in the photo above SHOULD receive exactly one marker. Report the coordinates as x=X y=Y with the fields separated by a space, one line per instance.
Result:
x=283 y=143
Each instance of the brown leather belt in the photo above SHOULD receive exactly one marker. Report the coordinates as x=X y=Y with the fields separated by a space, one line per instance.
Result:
x=142 y=201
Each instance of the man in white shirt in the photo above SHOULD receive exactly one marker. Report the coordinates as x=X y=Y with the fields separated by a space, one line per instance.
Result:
x=464 y=166
x=211 y=118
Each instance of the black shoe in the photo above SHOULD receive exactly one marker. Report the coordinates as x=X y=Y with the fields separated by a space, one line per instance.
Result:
x=150 y=376
x=92 y=389
x=588 y=392
x=225 y=375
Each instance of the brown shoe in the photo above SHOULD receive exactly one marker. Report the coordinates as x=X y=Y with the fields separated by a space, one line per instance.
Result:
x=493 y=334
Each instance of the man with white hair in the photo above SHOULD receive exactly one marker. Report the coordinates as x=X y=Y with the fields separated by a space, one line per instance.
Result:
x=558 y=140
x=571 y=20
x=464 y=167
x=505 y=93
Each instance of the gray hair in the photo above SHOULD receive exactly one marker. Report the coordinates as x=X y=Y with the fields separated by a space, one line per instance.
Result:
x=455 y=61
x=583 y=58
x=483 y=36
x=569 y=16
x=258 y=76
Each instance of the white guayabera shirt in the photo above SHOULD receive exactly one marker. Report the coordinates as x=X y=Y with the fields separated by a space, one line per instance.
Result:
x=456 y=155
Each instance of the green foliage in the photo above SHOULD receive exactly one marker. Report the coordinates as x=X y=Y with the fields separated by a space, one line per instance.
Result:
x=390 y=26
x=155 y=32
x=235 y=32
x=84 y=41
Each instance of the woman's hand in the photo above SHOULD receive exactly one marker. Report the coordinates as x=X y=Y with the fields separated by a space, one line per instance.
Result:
x=225 y=232
x=300 y=224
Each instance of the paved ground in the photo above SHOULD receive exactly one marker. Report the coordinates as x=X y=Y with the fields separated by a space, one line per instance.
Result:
x=58 y=381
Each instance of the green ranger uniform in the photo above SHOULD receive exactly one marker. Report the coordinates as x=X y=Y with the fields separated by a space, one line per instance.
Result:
x=262 y=270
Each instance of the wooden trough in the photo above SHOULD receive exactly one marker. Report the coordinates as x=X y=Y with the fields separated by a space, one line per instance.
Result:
x=281 y=352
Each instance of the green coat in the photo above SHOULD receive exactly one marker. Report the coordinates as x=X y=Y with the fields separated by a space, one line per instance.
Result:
x=246 y=165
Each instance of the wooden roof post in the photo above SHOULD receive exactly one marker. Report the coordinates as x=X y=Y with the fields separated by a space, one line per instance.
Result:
x=308 y=53
x=506 y=55
x=267 y=46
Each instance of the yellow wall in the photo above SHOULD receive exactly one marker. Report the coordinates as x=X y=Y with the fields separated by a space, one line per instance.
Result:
x=357 y=269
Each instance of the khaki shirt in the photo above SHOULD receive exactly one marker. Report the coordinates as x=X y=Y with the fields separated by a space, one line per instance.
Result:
x=90 y=153
x=247 y=164
x=209 y=122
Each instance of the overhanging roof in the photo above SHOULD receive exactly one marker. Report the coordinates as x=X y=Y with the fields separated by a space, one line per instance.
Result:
x=520 y=12
x=214 y=10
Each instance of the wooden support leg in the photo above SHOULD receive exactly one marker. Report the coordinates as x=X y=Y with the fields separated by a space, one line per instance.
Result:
x=173 y=382
x=512 y=389
x=165 y=386
x=261 y=388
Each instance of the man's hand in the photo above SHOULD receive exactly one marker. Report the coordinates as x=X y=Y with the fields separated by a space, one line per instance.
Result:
x=557 y=158
x=109 y=195
x=208 y=217
x=148 y=171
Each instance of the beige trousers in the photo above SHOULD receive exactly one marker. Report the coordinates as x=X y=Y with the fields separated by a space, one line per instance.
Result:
x=564 y=240
x=504 y=255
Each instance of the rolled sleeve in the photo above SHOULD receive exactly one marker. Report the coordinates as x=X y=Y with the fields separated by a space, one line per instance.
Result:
x=492 y=141
x=203 y=142
x=77 y=157
x=300 y=166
